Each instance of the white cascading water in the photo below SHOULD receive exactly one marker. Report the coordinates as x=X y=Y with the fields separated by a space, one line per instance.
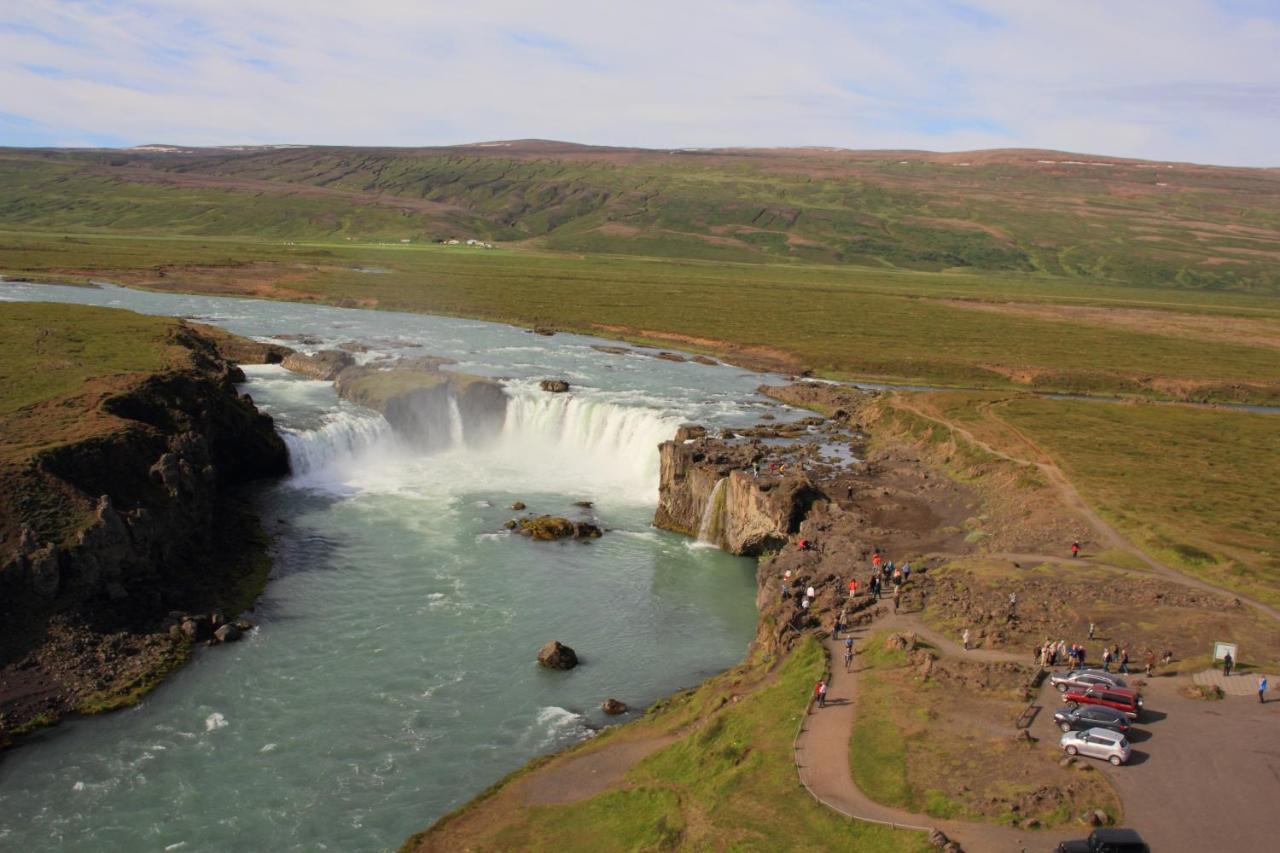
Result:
x=709 y=527
x=346 y=436
x=546 y=440
x=455 y=423
x=622 y=440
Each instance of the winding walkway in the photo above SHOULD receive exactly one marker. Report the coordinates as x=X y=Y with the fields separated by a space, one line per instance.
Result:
x=822 y=756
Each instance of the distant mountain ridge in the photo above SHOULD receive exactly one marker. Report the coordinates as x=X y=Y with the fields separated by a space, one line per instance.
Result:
x=1006 y=210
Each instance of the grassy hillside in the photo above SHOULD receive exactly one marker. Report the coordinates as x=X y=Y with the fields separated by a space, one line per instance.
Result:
x=1121 y=221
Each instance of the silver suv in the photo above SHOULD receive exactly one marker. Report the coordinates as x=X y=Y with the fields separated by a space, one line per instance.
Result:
x=1097 y=743
x=1065 y=679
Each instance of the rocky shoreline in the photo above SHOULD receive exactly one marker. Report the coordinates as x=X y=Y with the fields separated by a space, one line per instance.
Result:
x=126 y=542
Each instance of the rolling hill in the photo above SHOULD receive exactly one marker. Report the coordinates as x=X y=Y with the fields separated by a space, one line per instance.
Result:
x=1032 y=212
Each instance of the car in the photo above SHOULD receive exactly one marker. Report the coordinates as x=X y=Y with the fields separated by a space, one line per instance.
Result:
x=1070 y=717
x=1119 y=698
x=1067 y=678
x=1106 y=841
x=1097 y=743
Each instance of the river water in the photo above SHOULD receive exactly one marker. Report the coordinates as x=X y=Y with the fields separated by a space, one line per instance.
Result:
x=391 y=675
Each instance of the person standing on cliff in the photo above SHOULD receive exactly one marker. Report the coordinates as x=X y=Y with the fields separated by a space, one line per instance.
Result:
x=1075 y=550
x=1227 y=663
x=853 y=587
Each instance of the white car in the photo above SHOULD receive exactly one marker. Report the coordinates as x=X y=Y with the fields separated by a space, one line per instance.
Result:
x=1097 y=743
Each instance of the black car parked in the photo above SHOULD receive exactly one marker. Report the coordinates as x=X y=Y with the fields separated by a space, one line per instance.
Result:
x=1107 y=841
x=1070 y=717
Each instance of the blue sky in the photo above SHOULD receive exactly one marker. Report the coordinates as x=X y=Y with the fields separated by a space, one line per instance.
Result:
x=1180 y=79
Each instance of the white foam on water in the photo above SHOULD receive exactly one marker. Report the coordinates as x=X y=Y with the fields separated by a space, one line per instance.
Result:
x=79 y=786
x=555 y=724
x=215 y=721
x=270 y=747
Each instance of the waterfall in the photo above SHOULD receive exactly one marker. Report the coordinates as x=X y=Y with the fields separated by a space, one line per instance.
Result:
x=620 y=442
x=710 y=527
x=346 y=435
x=455 y=422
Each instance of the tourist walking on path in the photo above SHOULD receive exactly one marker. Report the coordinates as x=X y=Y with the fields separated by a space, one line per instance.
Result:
x=1262 y=689
x=848 y=653
x=897 y=597
x=1106 y=659
x=964 y=638
x=1124 y=662
x=906 y=571
x=1013 y=605
x=1075 y=550
x=1227 y=663
x=1092 y=627
x=1151 y=662
x=822 y=694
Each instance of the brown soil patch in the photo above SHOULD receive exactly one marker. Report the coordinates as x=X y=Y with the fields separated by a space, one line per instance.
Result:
x=750 y=356
x=1238 y=330
x=1059 y=600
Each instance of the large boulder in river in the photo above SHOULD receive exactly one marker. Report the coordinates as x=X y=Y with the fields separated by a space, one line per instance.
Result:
x=228 y=633
x=614 y=707
x=554 y=386
x=548 y=528
x=426 y=406
x=556 y=655
x=326 y=364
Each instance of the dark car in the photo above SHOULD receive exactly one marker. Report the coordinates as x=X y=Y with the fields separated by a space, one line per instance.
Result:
x=1070 y=717
x=1119 y=698
x=1106 y=841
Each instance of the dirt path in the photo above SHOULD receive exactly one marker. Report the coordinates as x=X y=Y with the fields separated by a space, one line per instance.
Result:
x=822 y=759
x=1072 y=499
x=584 y=776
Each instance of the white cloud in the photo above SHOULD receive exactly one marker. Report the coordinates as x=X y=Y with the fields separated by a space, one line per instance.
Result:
x=1181 y=79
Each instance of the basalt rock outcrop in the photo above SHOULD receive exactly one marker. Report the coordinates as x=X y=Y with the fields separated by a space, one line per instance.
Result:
x=326 y=364
x=554 y=386
x=118 y=521
x=707 y=487
x=426 y=406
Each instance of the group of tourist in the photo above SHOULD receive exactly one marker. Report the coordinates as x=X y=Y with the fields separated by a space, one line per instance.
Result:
x=884 y=573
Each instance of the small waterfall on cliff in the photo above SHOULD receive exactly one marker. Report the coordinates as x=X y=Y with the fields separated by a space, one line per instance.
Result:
x=346 y=435
x=455 y=422
x=711 y=526
x=619 y=443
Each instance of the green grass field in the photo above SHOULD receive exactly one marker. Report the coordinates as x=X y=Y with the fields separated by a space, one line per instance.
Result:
x=51 y=350
x=1194 y=487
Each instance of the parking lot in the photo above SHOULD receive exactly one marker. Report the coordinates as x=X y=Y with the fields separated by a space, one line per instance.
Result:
x=1204 y=775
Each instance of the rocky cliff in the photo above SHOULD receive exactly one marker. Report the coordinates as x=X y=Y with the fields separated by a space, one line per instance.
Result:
x=707 y=489
x=119 y=514
x=427 y=406
x=812 y=502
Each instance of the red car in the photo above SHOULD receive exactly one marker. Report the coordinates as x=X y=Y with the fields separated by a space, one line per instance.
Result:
x=1122 y=699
